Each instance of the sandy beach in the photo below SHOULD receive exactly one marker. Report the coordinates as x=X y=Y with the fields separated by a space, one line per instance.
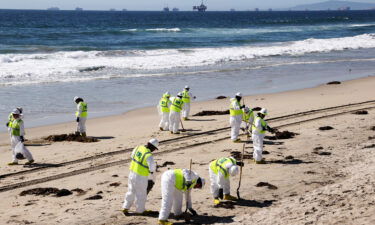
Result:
x=317 y=177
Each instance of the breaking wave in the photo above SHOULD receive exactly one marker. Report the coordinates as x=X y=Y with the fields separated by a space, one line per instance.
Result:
x=87 y=65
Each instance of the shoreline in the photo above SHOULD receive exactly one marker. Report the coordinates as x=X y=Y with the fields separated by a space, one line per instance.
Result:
x=68 y=127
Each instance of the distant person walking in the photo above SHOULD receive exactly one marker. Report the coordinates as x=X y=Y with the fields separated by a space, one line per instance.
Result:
x=186 y=98
x=17 y=133
x=163 y=108
x=81 y=116
x=236 y=114
x=175 y=113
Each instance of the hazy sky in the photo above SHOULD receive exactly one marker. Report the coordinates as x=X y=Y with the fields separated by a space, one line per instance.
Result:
x=155 y=4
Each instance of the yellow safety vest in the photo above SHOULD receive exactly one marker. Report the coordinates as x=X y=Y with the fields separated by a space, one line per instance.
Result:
x=220 y=164
x=84 y=110
x=263 y=123
x=232 y=111
x=139 y=161
x=16 y=128
x=246 y=116
x=10 y=119
x=177 y=105
x=164 y=104
x=180 y=182
x=185 y=96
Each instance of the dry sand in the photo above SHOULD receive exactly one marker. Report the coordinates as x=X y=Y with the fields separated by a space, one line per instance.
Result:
x=311 y=188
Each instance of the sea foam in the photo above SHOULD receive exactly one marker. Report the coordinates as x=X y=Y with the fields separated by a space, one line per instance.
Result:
x=18 y=69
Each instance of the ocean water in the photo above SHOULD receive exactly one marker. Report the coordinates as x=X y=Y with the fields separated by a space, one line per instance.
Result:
x=118 y=61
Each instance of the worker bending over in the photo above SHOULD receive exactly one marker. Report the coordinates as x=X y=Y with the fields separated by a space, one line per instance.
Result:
x=220 y=171
x=163 y=109
x=248 y=119
x=175 y=184
x=259 y=129
x=141 y=177
x=81 y=116
x=174 y=114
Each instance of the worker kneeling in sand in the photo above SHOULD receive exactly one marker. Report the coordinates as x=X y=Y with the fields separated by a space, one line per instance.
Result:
x=17 y=133
x=186 y=98
x=163 y=109
x=220 y=170
x=174 y=114
x=141 y=179
x=235 y=111
x=259 y=129
x=81 y=115
x=175 y=183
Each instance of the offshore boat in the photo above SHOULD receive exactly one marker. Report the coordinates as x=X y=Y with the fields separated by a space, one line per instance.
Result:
x=54 y=9
x=166 y=9
x=175 y=9
x=200 y=8
x=79 y=9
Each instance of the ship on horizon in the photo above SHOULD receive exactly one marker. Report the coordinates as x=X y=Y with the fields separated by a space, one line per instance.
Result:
x=175 y=9
x=79 y=9
x=200 y=8
x=54 y=9
x=166 y=9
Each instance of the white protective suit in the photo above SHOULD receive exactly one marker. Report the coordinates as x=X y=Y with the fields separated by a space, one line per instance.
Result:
x=81 y=125
x=218 y=181
x=14 y=140
x=171 y=196
x=137 y=187
x=20 y=148
x=235 y=121
x=174 y=119
x=257 y=140
x=164 y=120
x=186 y=107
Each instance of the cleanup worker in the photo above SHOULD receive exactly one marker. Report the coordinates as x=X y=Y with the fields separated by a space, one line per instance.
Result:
x=141 y=178
x=81 y=115
x=248 y=119
x=10 y=117
x=174 y=114
x=235 y=111
x=17 y=133
x=186 y=98
x=175 y=183
x=220 y=170
x=163 y=109
x=259 y=129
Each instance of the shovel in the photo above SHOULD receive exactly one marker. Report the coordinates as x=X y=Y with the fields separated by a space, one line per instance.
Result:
x=239 y=183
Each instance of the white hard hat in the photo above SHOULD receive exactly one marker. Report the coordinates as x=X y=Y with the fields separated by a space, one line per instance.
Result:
x=246 y=109
x=233 y=171
x=179 y=94
x=187 y=87
x=263 y=111
x=75 y=98
x=16 y=111
x=20 y=109
x=154 y=142
x=239 y=94
x=167 y=93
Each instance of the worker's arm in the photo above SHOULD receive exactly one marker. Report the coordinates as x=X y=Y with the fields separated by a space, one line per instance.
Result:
x=79 y=109
x=22 y=129
x=192 y=96
x=151 y=167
